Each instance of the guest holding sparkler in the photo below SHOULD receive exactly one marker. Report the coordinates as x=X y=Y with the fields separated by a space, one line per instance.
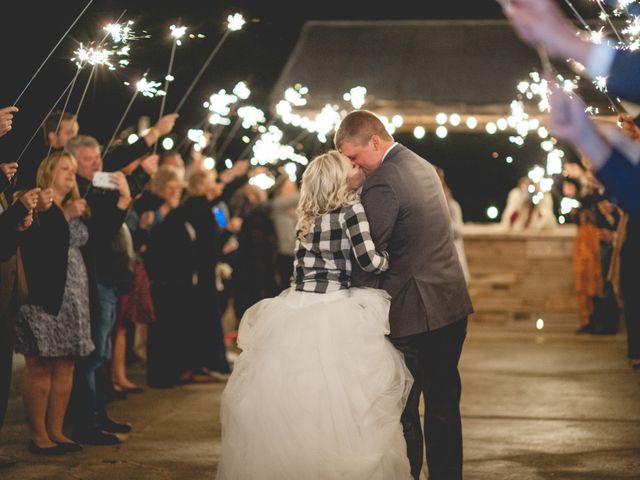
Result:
x=14 y=220
x=61 y=126
x=615 y=162
x=541 y=23
x=108 y=210
x=53 y=327
x=163 y=259
x=58 y=128
x=6 y=119
x=7 y=172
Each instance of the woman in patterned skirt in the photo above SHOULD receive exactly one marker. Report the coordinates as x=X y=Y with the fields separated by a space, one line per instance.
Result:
x=53 y=328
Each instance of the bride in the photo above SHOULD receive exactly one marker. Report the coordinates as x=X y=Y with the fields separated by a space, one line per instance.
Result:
x=318 y=390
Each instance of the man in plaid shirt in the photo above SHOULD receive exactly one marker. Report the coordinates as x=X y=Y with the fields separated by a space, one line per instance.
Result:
x=323 y=262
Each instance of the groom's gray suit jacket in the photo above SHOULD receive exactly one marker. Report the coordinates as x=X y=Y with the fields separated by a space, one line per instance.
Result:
x=409 y=217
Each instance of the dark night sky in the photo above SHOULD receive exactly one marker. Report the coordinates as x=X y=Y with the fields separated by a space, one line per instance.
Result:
x=257 y=55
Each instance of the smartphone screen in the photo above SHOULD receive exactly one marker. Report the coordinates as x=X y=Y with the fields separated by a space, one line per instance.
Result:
x=220 y=217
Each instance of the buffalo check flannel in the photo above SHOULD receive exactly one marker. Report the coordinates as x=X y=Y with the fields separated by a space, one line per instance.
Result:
x=323 y=260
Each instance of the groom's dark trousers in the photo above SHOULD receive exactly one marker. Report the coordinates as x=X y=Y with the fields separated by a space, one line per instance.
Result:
x=432 y=358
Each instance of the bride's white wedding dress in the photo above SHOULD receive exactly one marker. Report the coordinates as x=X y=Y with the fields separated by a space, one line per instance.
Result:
x=317 y=391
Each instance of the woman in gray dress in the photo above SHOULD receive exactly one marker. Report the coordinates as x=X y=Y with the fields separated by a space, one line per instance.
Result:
x=53 y=328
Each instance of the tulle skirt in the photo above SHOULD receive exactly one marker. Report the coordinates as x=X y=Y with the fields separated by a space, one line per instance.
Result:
x=317 y=391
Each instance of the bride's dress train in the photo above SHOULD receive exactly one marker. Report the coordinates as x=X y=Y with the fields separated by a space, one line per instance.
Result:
x=317 y=392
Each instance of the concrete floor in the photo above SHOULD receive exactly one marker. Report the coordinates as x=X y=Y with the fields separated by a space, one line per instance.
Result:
x=536 y=406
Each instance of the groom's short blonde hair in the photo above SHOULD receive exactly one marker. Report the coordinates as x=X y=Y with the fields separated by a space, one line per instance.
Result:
x=359 y=126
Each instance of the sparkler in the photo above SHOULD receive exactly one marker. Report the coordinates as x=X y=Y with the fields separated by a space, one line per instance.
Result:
x=606 y=17
x=578 y=16
x=234 y=23
x=149 y=89
x=544 y=60
x=93 y=56
x=176 y=33
x=45 y=118
x=144 y=87
x=248 y=117
x=242 y=91
x=64 y=108
x=219 y=108
x=120 y=33
x=86 y=88
x=51 y=52
x=356 y=96
x=256 y=138
x=229 y=138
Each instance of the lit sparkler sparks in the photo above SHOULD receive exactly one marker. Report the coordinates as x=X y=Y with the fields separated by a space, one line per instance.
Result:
x=295 y=95
x=93 y=56
x=235 y=22
x=120 y=32
x=242 y=91
x=251 y=116
x=220 y=102
x=198 y=137
x=600 y=84
x=177 y=33
x=217 y=119
x=597 y=36
x=269 y=149
x=357 y=97
x=149 y=88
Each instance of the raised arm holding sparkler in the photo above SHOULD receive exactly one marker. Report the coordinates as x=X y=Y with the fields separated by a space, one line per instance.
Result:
x=619 y=173
x=6 y=119
x=542 y=23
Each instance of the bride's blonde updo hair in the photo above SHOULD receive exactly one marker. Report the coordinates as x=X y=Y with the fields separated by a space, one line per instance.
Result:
x=324 y=189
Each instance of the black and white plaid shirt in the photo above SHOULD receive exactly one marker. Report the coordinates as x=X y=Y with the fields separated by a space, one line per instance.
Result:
x=323 y=263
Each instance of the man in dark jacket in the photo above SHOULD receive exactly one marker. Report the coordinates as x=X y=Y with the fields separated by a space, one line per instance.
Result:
x=108 y=209
x=409 y=218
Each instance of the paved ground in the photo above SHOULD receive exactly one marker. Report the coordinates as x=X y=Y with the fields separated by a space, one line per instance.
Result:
x=536 y=406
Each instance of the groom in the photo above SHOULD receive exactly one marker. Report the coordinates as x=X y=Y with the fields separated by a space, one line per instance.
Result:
x=409 y=218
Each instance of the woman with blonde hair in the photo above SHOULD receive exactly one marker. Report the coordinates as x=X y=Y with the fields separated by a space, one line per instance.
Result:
x=318 y=390
x=53 y=327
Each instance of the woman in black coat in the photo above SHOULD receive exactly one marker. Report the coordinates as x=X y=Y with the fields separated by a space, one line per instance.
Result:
x=53 y=327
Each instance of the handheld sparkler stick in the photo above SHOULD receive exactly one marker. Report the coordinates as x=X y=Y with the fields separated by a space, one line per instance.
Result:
x=51 y=52
x=176 y=33
x=234 y=23
x=45 y=117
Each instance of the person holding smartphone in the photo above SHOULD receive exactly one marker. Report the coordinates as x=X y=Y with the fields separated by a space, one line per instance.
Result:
x=108 y=208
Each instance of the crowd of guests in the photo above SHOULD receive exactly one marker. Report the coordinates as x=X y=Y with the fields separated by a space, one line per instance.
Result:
x=608 y=243
x=109 y=255
x=151 y=254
